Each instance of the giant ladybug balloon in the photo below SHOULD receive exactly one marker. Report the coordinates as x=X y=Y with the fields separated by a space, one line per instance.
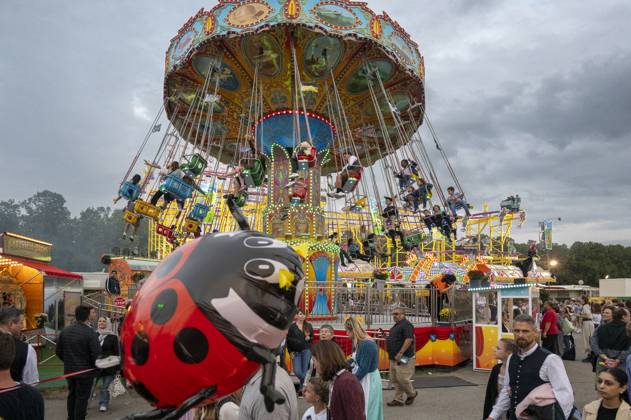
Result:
x=204 y=314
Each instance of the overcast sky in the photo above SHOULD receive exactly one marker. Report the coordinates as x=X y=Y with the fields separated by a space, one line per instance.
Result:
x=527 y=97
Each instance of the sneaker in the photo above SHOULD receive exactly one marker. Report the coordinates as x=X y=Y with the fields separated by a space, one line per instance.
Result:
x=293 y=175
x=131 y=238
x=332 y=194
x=289 y=184
x=395 y=403
x=124 y=235
x=102 y=408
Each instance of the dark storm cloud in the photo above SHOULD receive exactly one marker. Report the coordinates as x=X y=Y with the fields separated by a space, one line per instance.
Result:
x=527 y=97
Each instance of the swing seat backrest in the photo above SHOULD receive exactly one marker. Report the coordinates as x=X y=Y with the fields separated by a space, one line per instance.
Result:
x=147 y=209
x=129 y=191
x=241 y=198
x=353 y=179
x=130 y=217
x=255 y=171
x=199 y=212
x=164 y=231
x=196 y=164
x=191 y=225
x=177 y=187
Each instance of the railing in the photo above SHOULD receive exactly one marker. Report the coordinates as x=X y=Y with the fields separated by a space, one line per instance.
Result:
x=374 y=304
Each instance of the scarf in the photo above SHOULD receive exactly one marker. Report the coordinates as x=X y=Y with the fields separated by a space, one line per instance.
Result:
x=613 y=336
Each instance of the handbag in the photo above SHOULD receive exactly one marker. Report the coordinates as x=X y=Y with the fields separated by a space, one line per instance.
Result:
x=107 y=362
x=117 y=388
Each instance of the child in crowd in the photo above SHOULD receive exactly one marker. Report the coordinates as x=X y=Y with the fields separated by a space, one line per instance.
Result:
x=316 y=393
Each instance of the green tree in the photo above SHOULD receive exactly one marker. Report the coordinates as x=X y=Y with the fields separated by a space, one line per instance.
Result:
x=10 y=214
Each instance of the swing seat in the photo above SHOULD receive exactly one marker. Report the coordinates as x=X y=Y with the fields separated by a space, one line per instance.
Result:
x=130 y=217
x=241 y=198
x=354 y=175
x=254 y=174
x=129 y=191
x=164 y=231
x=196 y=164
x=191 y=225
x=177 y=188
x=305 y=162
x=248 y=179
x=199 y=212
x=295 y=200
x=147 y=209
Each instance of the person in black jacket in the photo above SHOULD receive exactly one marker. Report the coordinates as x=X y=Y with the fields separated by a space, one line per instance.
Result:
x=109 y=347
x=18 y=401
x=78 y=347
x=505 y=347
x=299 y=339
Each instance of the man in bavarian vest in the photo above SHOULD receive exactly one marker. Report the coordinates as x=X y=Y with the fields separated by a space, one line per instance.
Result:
x=532 y=367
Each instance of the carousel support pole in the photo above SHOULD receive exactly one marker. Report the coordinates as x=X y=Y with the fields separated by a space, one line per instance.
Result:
x=369 y=307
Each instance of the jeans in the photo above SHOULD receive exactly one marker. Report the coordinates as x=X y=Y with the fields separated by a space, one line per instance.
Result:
x=104 y=392
x=459 y=205
x=300 y=363
x=78 y=395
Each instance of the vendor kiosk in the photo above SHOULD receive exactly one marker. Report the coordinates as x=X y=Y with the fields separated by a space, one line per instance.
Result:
x=496 y=301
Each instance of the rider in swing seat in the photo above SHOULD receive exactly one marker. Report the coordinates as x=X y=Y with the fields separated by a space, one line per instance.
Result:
x=352 y=168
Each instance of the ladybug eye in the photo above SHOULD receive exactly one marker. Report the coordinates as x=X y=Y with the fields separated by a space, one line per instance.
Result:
x=262 y=242
x=260 y=268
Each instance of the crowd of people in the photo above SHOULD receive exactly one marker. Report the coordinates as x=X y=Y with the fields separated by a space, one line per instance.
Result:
x=529 y=381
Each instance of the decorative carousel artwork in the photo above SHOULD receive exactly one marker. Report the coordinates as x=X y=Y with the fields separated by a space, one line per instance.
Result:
x=186 y=40
x=227 y=79
x=264 y=50
x=248 y=14
x=403 y=49
x=358 y=82
x=321 y=55
x=335 y=15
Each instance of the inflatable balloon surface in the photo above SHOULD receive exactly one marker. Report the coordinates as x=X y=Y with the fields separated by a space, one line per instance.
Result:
x=206 y=315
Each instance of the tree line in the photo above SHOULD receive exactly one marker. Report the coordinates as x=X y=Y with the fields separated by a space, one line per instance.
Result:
x=78 y=242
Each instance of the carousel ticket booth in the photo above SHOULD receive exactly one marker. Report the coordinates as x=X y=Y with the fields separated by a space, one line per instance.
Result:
x=498 y=296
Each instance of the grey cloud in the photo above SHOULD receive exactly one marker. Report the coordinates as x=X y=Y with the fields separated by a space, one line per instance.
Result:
x=527 y=97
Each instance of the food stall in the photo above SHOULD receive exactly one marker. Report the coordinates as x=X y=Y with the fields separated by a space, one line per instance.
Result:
x=500 y=293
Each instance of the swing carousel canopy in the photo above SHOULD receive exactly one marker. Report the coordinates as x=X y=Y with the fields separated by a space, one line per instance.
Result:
x=338 y=45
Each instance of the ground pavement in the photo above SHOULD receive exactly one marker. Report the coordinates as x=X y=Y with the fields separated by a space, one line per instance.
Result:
x=432 y=404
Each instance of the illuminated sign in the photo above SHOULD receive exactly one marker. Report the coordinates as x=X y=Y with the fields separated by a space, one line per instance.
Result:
x=21 y=246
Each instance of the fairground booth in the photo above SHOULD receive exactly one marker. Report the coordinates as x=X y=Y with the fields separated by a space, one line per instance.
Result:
x=500 y=293
x=29 y=281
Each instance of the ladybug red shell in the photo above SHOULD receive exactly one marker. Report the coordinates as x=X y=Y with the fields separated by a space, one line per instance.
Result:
x=198 y=318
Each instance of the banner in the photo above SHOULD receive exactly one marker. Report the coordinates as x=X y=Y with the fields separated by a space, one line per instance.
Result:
x=547 y=234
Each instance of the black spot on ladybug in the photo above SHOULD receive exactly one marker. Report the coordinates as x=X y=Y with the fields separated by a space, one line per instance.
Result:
x=258 y=242
x=259 y=268
x=190 y=345
x=140 y=348
x=144 y=392
x=168 y=264
x=164 y=306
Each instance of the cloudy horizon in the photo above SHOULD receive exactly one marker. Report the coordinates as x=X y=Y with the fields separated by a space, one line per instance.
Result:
x=530 y=97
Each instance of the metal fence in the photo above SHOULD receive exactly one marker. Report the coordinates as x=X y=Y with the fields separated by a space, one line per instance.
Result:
x=374 y=304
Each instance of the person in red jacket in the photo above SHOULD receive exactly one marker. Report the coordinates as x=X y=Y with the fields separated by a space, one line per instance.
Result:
x=549 y=329
x=346 y=401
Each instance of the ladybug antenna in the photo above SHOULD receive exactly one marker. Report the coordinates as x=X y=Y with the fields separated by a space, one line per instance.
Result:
x=176 y=413
x=231 y=202
x=270 y=394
